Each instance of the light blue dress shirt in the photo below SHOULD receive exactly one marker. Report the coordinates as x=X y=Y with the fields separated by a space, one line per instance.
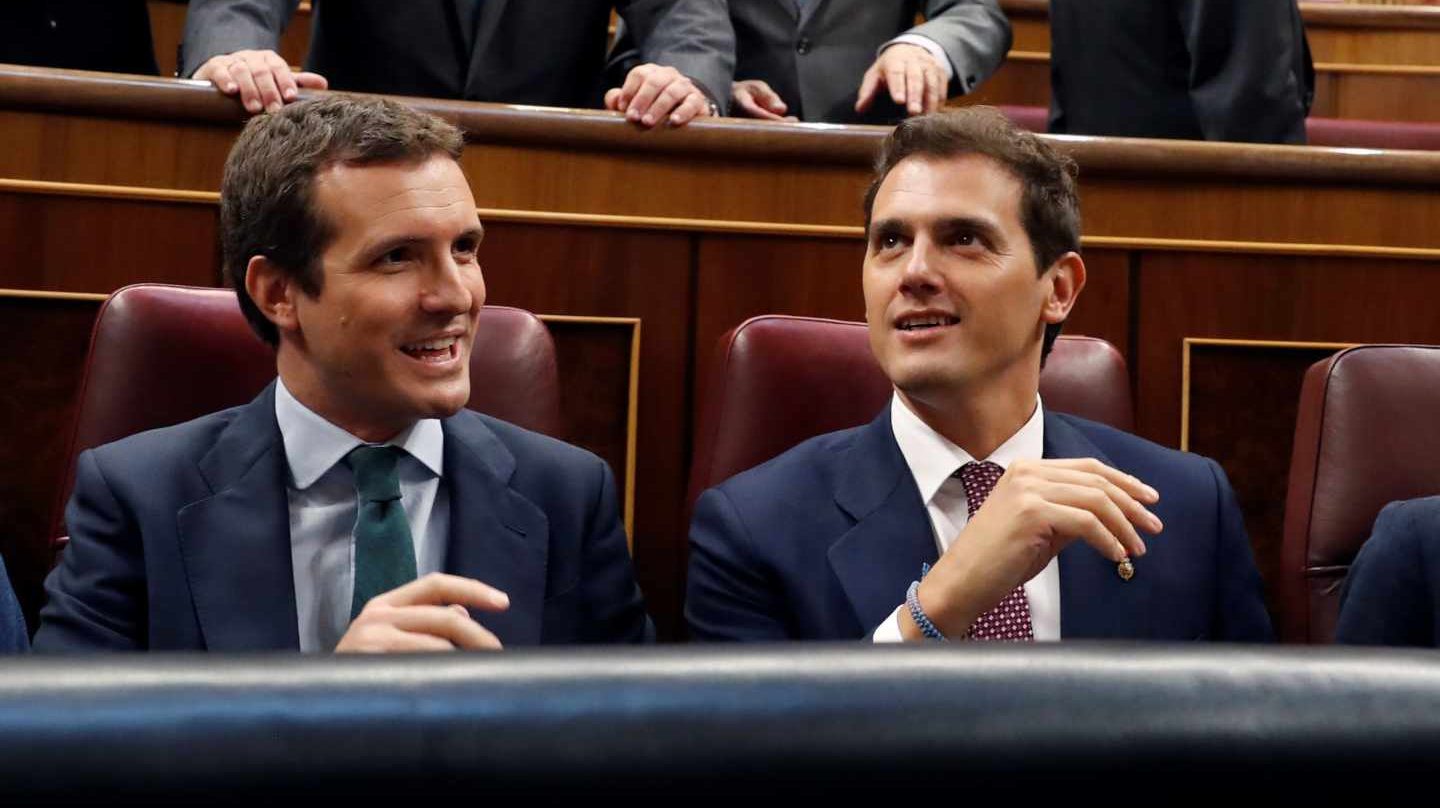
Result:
x=321 y=494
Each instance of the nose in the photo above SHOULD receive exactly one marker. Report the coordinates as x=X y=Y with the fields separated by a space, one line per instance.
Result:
x=917 y=276
x=454 y=287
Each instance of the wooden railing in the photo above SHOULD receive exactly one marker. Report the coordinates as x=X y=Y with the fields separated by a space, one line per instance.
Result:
x=1220 y=270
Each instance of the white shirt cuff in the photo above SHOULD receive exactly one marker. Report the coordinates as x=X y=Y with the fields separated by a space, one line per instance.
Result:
x=889 y=631
x=929 y=45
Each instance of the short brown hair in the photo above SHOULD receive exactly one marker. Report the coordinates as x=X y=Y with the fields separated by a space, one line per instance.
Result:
x=1049 y=199
x=266 y=197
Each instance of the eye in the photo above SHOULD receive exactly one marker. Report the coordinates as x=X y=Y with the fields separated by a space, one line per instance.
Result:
x=398 y=255
x=466 y=246
x=887 y=241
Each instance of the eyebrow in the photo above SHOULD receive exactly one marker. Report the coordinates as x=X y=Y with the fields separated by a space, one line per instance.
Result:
x=984 y=228
x=381 y=247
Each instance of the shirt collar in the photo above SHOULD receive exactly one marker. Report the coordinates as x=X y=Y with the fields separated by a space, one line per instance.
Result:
x=932 y=458
x=313 y=445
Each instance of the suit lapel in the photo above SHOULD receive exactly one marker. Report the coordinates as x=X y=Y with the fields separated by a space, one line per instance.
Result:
x=491 y=13
x=808 y=14
x=496 y=535
x=892 y=537
x=235 y=544
x=1094 y=601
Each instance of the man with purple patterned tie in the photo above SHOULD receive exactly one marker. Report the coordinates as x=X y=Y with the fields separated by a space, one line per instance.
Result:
x=966 y=510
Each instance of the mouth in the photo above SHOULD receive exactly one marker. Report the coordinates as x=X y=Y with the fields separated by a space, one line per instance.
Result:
x=925 y=321
x=434 y=351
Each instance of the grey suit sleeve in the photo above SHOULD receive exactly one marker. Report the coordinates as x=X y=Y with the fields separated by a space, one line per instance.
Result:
x=215 y=27
x=975 y=35
x=1242 y=69
x=692 y=36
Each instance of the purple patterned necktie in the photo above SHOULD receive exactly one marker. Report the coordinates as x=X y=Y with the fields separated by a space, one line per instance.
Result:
x=1010 y=619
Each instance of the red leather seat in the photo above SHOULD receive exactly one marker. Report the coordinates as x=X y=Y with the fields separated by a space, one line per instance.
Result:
x=1338 y=133
x=1366 y=434
x=160 y=355
x=778 y=380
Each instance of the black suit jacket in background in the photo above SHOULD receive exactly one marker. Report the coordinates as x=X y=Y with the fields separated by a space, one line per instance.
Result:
x=1235 y=70
x=108 y=35
x=544 y=52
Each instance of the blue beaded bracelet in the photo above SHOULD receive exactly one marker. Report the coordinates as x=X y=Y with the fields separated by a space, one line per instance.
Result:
x=927 y=628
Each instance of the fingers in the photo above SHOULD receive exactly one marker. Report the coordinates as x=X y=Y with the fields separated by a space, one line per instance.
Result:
x=1084 y=525
x=1112 y=534
x=311 y=81
x=1133 y=486
x=439 y=588
x=869 y=87
x=261 y=78
x=654 y=93
x=694 y=106
x=755 y=99
x=914 y=88
x=453 y=626
x=894 y=73
x=934 y=90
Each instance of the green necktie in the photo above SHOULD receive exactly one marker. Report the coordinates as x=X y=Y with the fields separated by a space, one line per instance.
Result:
x=384 y=552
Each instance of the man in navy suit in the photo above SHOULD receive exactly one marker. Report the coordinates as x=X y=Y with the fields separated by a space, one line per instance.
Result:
x=1028 y=522
x=1392 y=593
x=354 y=505
x=13 y=636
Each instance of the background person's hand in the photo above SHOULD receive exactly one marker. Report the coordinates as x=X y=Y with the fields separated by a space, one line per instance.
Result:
x=1037 y=508
x=261 y=78
x=428 y=614
x=756 y=99
x=911 y=74
x=653 y=93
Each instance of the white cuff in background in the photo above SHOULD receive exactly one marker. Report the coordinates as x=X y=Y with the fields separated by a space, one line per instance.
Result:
x=928 y=44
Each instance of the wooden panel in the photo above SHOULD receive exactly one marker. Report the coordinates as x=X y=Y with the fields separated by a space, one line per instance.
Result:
x=1364 y=95
x=593 y=359
x=65 y=148
x=1243 y=401
x=1292 y=298
x=77 y=244
x=39 y=380
x=622 y=273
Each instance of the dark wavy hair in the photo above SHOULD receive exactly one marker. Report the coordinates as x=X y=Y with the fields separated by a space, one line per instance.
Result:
x=1049 y=199
x=267 y=195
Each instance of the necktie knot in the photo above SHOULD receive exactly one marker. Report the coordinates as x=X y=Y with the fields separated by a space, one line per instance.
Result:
x=376 y=479
x=978 y=480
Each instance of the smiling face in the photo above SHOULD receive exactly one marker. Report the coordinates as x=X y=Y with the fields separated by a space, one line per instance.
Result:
x=387 y=340
x=953 y=300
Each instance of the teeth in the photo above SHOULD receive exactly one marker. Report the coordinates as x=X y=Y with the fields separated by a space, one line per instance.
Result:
x=432 y=345
x=924 y=322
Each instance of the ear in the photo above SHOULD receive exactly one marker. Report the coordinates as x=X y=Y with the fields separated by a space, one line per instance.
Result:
x=273 y=291
x=1067 y=278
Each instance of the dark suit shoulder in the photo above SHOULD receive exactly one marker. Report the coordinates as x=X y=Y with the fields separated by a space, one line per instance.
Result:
x=811 y=465
x=1140 y=457
x=185 y=442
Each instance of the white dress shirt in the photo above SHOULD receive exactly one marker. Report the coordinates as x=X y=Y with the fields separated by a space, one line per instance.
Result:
x=933 y=460
x=321 y=493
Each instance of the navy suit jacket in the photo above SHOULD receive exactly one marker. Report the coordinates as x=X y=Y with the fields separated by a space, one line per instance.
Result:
x=180 y=539
x=822 y=542
x=1392 y=593
x=13 y=636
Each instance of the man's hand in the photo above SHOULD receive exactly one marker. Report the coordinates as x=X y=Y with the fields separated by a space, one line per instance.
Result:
x=652 y=92
x=911 y=74
x=425 y=615
x=260 y=77
x=1037 y=508
x=756 y=99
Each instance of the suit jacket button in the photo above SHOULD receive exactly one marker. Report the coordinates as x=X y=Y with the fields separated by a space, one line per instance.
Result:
x=803 y=46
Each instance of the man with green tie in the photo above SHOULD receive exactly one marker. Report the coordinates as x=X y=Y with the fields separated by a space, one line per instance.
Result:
x=355 y=505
